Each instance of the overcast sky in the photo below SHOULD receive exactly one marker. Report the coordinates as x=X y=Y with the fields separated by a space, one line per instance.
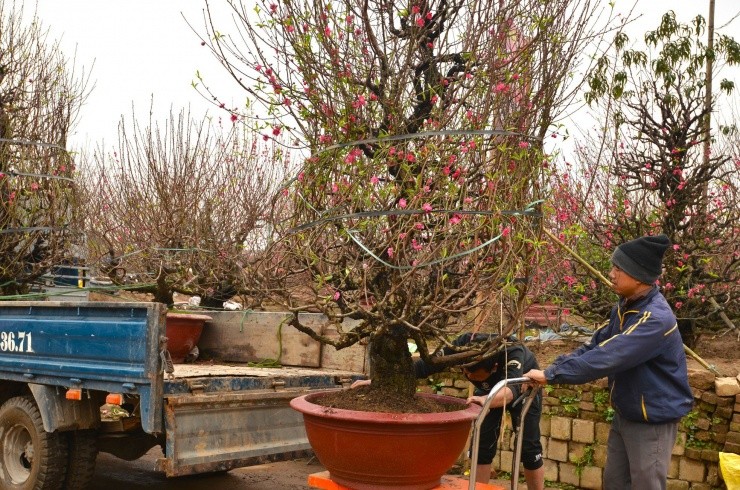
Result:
x=139 y=49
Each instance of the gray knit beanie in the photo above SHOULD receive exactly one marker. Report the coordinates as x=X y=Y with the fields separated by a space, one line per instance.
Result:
x=642 y=258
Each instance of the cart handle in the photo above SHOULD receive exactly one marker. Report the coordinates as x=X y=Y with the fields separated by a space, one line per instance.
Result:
x=479 y=422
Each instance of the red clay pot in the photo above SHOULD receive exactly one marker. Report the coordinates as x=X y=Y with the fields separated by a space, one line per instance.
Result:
x=374 y=451
x=183 y=333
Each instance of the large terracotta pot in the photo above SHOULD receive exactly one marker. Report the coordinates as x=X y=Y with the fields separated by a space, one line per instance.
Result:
x=373 y=451
x=183 y=333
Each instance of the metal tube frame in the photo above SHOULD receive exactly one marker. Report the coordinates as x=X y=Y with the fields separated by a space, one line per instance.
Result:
x=479 y=422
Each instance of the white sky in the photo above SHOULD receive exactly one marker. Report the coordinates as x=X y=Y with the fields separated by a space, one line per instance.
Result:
x=138 y=50
x=144 y=48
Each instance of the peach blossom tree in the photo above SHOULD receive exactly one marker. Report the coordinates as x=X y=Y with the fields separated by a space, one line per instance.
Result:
x=40 y=96
x=422 y=123
x=649 y=173
x=178 y=207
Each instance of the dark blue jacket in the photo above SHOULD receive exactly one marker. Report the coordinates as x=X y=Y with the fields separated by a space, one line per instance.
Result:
x=641 y=352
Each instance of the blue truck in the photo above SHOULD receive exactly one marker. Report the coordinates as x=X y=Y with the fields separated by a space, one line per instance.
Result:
x=64 y=367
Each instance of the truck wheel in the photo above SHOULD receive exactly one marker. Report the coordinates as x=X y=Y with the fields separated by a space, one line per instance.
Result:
x=31 y=459
x=83 y=451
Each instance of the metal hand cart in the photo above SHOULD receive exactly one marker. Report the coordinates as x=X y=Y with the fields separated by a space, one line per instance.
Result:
x=527 y=398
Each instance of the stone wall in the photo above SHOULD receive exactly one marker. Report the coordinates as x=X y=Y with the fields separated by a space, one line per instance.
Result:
x=575 y=426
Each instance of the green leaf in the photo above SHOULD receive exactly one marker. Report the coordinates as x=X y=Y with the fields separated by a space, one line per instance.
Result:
x=620 y=40
x=727 y=86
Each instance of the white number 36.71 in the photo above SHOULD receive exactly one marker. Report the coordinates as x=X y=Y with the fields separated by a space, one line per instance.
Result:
x=15 y=342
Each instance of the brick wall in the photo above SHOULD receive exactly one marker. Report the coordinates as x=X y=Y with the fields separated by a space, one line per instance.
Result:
x=575 y=426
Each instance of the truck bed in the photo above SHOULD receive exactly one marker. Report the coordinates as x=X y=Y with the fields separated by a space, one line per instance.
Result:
x=224 y=378
x=233 y=369
x=220 y=416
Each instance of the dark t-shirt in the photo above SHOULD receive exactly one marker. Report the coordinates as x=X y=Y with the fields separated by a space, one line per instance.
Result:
x=511 y=362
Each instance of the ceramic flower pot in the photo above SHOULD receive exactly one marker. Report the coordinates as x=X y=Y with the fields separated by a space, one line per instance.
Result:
x=183 y=333
x=374 y=451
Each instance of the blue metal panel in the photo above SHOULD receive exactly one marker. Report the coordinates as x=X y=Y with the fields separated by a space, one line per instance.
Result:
x=105 y=346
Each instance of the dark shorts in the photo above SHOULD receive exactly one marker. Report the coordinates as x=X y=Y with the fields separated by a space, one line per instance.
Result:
x=531 y=445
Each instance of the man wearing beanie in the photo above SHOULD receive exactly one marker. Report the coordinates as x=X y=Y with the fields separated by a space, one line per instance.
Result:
x=641 y=352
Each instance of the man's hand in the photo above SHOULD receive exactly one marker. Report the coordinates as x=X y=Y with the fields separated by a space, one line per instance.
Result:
x=478 y=400
x=537 y=376
x=360 y=382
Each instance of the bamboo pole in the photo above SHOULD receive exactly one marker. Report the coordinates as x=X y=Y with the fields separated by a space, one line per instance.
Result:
x=722 y=314
x=606 y=281
x=578 y=258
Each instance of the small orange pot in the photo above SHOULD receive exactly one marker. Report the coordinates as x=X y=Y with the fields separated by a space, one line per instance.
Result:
x=183 y=333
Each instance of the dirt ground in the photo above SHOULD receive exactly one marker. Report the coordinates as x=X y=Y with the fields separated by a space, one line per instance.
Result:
x=720 y=351
x=112 y=473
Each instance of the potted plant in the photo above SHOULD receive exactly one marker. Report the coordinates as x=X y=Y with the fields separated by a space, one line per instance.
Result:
x=413 y=212
x=183 y=330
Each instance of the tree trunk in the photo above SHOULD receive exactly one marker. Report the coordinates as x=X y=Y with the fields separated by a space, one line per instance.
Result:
x=163 y=292
x=391 y=366
x=707 y=123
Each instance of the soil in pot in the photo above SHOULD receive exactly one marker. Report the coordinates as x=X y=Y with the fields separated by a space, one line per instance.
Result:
x=367 y=399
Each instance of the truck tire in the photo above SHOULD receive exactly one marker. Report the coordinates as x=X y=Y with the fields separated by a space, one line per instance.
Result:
x=83 y=451
x=30 y=458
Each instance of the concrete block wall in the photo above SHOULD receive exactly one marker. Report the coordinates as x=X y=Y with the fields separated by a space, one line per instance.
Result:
x=575 y=427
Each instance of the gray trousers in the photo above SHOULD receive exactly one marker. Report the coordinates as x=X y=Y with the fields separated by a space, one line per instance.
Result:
x=638 y=455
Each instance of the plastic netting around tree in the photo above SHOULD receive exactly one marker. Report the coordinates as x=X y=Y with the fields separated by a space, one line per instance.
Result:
x=416 y=235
